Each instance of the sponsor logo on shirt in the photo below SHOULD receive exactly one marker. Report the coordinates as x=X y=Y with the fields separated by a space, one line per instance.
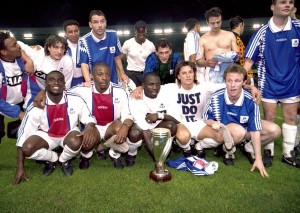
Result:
x=71 y=111
x=295 y=42
x=14 y=80
x=112 y=49
x=116 y=100
x=103 y=48
x=244 y=119
x=281 y=39
x=58 y=119
x=40 y=74
x=102 y=107
x=231 y=113
x=162 y=105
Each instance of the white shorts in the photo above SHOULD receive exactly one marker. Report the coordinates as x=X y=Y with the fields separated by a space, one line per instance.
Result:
x=290 y=100
x=194 y=127
x=102 y=129
x=53 y=142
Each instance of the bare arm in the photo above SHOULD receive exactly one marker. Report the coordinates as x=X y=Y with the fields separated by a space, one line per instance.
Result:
x=29 y=66
x=258 y=163
x=120 y=71
x=86 y=74
x=20 y=172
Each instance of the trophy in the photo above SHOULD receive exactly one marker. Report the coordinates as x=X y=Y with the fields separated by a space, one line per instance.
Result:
x=161 y=146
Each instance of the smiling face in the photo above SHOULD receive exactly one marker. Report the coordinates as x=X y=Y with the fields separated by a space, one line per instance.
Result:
x=72 y=32
x=151 y=85
x=282 y=8
x=55 y=83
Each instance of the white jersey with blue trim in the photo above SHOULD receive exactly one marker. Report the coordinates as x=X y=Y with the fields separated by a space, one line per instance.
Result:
x=188 y=105
x=44 y=64
x=37 y=119
x=277 y=52
x=120 y=99
x=244 y=112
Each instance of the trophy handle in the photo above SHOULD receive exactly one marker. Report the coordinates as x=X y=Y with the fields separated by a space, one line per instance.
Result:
x=166 y=151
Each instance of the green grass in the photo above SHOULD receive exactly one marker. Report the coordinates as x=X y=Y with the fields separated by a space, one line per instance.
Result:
x=102 y=188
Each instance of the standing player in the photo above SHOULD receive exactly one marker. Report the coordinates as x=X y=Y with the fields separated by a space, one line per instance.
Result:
x=42 y=130
x=191 y=48
x=276 y=49
x=72 y=33
x=137 y=50
x=218 y=47
x=100 y=45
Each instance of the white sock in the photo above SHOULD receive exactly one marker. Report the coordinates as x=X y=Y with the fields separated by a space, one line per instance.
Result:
x=249 y=147
x=229 y=152
x=133 y=147
x=44 y=154
x=114 y=154
x=67 y=154
x=298 y=131
x=208 y=143
x=186 y=146
x=87 y=155
x=289 y=135
x=270 y=146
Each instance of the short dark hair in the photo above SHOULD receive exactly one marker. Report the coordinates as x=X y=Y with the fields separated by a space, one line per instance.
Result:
x=162 y=43
x=3 y=36
x=235 y=21
x=149 y=75
x=213 y=12
x=52 y=72
x=100 y=64
x=52 y=40
x=96 y=12
x=191 y=23
x=70 y=22
x=235 y=68
x=183 y=64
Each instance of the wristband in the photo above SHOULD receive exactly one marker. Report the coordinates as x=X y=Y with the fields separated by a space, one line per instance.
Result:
x=160 y=115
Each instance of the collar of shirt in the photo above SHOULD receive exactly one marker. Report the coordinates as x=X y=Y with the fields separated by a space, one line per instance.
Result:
x=275 y=29
x=96 y=39
x=239 y=101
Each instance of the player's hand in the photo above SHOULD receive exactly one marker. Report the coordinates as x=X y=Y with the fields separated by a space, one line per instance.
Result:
x=151 y=118
x=87 y=84
x=137 y=93
x=90 y=136
x=40 y=99
x=260 y=166
x=211 y=63
x=20 y=174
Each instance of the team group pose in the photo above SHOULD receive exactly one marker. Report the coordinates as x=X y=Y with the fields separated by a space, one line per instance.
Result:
x=76 y=93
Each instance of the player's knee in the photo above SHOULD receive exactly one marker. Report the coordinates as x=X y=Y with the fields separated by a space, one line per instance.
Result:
x=28 y=149
x=135 y=135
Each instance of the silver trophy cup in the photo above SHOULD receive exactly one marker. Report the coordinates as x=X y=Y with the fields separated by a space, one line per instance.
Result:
x=161 y=146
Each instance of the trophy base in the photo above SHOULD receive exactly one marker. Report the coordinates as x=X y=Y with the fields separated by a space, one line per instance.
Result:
x=164 y=176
